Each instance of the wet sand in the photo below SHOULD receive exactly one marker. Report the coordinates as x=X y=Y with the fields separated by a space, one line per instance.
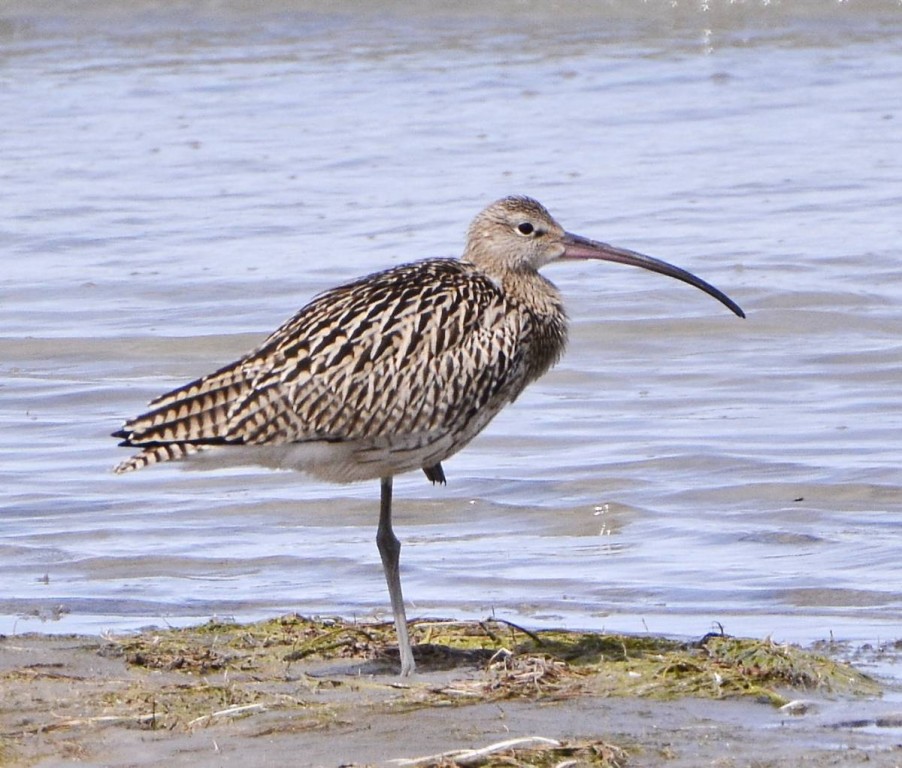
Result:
x=98 y=702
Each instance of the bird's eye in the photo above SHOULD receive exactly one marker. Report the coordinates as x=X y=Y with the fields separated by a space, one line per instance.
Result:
x=525 y=228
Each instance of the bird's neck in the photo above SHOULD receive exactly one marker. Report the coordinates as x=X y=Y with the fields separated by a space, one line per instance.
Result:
x=537 y=300
x=535 y=292
x=540 y=300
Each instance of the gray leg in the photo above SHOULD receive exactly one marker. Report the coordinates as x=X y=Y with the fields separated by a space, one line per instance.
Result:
x=390 y=550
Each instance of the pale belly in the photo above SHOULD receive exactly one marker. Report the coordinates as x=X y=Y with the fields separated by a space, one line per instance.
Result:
x=351 y=460
x=338 y=462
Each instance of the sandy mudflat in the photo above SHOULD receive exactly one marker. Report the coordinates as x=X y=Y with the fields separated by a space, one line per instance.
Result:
x=118 y=702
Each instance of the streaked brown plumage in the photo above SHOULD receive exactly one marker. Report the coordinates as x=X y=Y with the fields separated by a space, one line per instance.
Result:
x=374 y=365
x=390 y=373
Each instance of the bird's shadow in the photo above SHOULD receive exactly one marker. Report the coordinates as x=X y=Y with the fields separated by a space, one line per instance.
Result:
x=429 y=657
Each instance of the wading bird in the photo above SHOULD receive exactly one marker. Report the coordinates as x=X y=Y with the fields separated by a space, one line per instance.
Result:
x=390 y=373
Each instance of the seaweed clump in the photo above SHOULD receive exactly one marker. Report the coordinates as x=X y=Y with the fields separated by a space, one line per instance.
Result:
x=516 y=663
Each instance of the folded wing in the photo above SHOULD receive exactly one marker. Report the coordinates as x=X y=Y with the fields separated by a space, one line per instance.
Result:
x=409 y=355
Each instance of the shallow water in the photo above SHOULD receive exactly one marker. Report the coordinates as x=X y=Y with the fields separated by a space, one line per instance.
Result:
x=179 y=178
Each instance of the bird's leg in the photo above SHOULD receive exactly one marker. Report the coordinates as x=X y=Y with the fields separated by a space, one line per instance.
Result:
x=390 y=551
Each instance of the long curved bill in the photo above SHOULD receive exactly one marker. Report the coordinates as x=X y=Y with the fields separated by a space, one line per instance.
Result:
x=576 y=247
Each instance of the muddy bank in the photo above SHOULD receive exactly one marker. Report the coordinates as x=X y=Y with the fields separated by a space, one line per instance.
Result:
x=326 y=694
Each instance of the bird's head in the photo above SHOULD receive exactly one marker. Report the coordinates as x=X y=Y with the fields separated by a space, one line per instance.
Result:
x=514 y=234
x=517 y=234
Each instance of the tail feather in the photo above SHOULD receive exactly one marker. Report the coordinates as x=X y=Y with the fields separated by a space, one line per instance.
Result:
x=194 y=415
x=198 y=410
x=154 y=454
x=228 y=406
x=226 y=377
x=185 y=420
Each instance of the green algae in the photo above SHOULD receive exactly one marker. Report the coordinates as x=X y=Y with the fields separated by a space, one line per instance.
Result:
x=514 y=662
